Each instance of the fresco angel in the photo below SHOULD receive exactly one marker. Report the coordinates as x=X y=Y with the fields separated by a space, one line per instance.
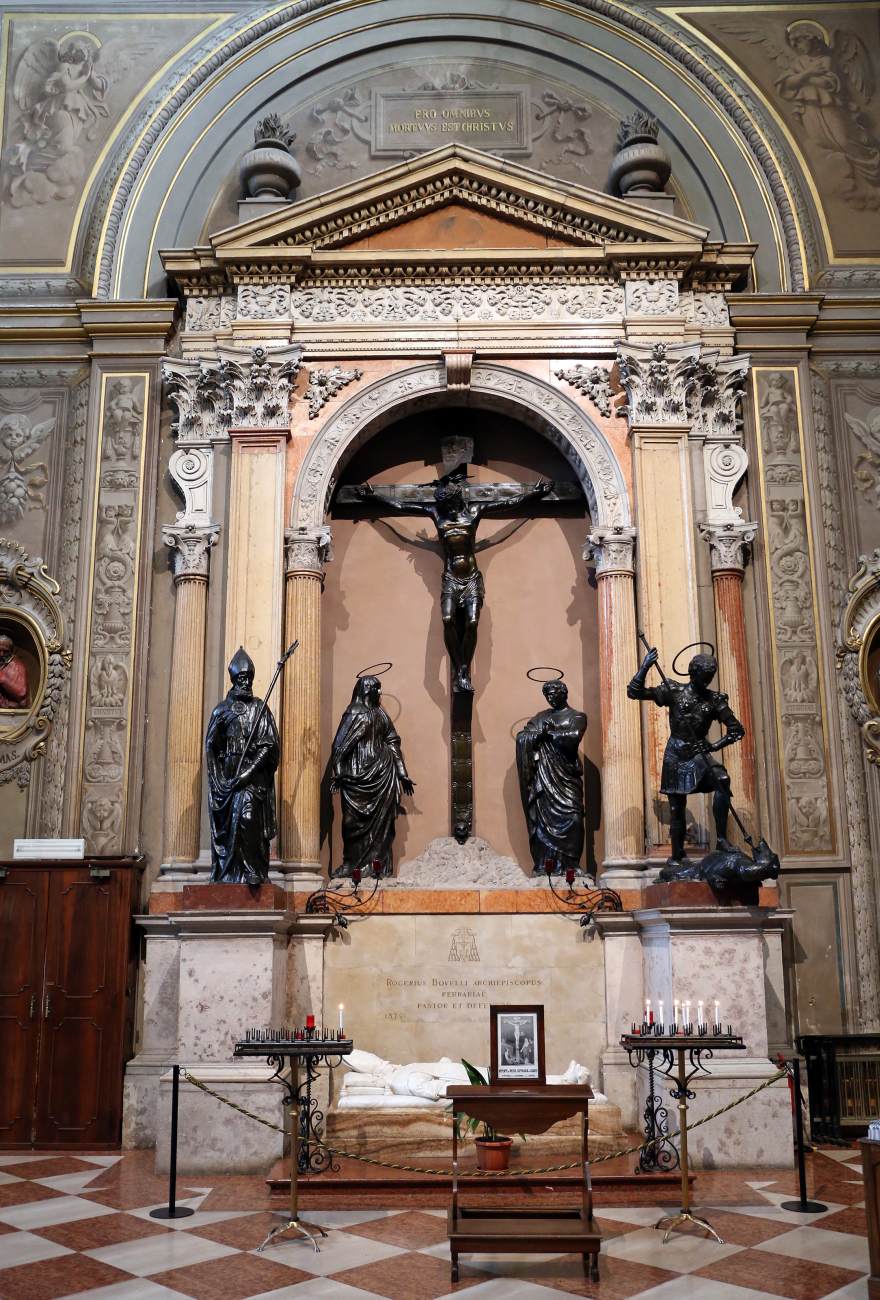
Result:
x=826 y=76
x=61 y=100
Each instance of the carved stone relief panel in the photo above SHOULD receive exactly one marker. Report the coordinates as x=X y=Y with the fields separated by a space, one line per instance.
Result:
x=69 y=84
x=799 y=697
x=354 y=128
x=858 y=402
x=115 y=567
x=814 y=64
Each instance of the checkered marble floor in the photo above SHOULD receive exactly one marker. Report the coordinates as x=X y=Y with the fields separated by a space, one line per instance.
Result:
x=80 y=1225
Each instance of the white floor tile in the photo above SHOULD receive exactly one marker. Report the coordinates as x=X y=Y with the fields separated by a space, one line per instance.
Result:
x=317 y=1288
x=57 y=1209
x=855 y=1291
x=644 y=1215
x=27 y=1248
x=683 y=1252
x=702 y=1288
x=845 y=1153
x=10 y=1178
x=338 y=1251
x=201 y=1218
x=505 y=1288
x=774 y=1215
x=139 y=1288
x=102 y=1160
x=73 y=1184
x=156 y=1254
x=840 y=1249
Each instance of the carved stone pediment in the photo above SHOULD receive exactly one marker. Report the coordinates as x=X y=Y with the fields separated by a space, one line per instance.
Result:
x=586 y=230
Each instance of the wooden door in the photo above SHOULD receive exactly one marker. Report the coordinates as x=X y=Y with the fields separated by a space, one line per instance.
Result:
x=84 y=1008
x=23 y=902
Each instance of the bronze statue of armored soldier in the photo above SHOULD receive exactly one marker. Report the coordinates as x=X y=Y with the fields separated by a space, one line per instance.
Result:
x=242 y=751
x=370 y=774
x=456 y=517
x=551 y=780
x=687 y=767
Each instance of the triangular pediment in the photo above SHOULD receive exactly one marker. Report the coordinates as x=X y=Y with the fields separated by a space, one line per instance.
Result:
x=463 y=177
x=457 y=202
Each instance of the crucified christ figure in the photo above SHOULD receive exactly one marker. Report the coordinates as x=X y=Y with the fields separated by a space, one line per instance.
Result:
x=456 y=517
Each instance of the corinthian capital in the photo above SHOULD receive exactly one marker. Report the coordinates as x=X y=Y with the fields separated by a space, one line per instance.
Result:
x=611 y=549
x=258 y=383
x=715 y=387
x=728 y=543
x=190 y=548
x=197 y=391
x=306 y=552
x=656 y=380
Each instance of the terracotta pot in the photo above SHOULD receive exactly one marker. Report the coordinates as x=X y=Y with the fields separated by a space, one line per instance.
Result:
x=493 y=1154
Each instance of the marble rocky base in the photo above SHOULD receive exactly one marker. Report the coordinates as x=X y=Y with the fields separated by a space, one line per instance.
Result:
x=417 y=1134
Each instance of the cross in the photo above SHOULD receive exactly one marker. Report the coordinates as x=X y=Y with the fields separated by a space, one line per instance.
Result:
x=456 y=507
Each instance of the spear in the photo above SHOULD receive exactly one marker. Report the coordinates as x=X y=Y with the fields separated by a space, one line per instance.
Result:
x=264 y=702
x=701 y=745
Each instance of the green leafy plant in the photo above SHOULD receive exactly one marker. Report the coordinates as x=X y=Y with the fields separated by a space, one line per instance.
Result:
x=478 y=1080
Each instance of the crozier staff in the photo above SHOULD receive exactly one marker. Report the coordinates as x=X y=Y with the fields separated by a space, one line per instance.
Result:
x=687 y=767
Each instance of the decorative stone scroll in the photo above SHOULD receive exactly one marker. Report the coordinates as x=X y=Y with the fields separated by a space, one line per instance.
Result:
x=496 y=387
x=858 y=653
x=31 y=615
x=592 y=382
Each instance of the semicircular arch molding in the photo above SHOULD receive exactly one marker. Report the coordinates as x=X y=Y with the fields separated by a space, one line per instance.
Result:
x=493 y=387
x=725 y=157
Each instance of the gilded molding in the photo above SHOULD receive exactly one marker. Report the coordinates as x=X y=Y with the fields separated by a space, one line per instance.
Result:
x=859 y=637
x=28 y=599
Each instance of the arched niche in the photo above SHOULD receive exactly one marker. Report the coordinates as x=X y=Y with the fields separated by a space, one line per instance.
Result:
x=527 y=398
x=380 y=602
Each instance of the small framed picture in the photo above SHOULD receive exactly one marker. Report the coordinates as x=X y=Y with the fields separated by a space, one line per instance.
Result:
x=517 y=1044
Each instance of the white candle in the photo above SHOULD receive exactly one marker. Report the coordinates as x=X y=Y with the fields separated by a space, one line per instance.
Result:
x=660 y=1005
x=686 y=1013
x=717 y=1013
x=699 y=1014
x=341 y=1024
x=647 y=1011
x=675 y=1014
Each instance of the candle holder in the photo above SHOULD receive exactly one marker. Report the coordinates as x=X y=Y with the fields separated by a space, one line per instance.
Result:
x=297 y=1047
x=661 y=1156
x=587 y=899
x=668 y=1049
x=342 y=903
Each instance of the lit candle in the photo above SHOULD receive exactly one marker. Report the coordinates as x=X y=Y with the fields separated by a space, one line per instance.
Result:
x=699 y=1014
x=675 y=1014
x=341 y=1024
x=717 y=1014
x=649 y=1015
x=310 y=1022
x=660 y=1012
x=686 y=1013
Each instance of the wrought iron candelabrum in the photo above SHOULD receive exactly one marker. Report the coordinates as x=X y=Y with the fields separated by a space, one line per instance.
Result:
x=311 y=1048
x=679 y=1052
x=586 y=899
x=342 y=903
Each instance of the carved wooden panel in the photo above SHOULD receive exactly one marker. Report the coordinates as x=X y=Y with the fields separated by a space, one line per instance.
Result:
x=23 y=896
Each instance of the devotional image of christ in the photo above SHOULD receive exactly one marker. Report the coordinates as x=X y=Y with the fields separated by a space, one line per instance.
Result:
x=18 y=667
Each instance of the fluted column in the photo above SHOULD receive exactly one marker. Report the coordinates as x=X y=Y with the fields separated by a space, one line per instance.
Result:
x=301 y=716
x=191 y=545
x=622 y=773
x=727 y=543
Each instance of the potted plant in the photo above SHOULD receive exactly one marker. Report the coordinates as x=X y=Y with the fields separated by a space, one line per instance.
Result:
x=493 y=1149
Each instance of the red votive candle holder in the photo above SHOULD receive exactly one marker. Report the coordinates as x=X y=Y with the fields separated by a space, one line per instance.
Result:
x=569 y=875
x=310 y=1022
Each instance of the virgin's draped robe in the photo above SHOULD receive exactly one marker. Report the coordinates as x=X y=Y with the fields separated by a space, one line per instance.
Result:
x=368 y=768
x=242 y=818
x=551 y=780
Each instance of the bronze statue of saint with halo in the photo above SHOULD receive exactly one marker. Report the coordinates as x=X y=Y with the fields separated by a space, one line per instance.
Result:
x=551 y=776
x=368 y=770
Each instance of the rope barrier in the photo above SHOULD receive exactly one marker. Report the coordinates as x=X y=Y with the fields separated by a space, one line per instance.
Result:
x=478 y=1173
